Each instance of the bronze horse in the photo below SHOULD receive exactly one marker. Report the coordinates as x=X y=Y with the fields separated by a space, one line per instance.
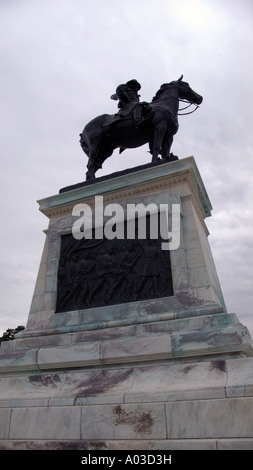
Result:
x=105 y=133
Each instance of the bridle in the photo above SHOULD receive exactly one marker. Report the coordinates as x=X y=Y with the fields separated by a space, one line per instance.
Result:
x=185 y=101
x=186 y=107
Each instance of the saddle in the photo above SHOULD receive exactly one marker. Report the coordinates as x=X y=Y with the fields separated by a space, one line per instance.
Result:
x=140 y=113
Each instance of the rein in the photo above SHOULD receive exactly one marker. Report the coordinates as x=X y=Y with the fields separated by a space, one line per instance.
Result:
x=182 y=109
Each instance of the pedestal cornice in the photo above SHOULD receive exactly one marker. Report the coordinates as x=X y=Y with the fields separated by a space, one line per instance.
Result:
x=120 y=186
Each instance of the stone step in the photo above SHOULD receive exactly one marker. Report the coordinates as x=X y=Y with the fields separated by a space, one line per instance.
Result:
x=215 y=342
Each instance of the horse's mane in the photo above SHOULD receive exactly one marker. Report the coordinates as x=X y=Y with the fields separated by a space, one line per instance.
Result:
x=161 y=90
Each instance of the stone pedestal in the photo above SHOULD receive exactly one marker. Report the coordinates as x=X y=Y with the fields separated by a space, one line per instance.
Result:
x=173 y=372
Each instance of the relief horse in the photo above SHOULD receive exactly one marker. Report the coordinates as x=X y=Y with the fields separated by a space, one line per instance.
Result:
x=105 y=133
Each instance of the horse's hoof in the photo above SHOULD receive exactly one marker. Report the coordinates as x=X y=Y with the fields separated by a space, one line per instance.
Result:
x=172 y=157
x=90 y=175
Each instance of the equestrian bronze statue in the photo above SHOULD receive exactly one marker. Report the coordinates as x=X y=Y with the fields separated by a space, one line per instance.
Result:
x=137 y=123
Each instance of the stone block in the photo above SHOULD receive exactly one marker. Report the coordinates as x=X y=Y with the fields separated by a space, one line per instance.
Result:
x=37 y=303
x=240 y=372
x=18 y=360
x=53 y=444
x=177 y=382
x=65 y=319
x=104 y=334
x=189 y=444
x=23 y=402
x=189 y=323
x=235 y=444
x=124 y=422
x=198 y=277
x=100 y=399
x=227 y=418
x=240 y=377
x=45 y=423
x=5 y=414
x=40 y=286
x=54 y=246
x=52 y=266
x=212 y=341
x=43 y=341
x=51 y=283
x=43 y=268
x=116 y=444
x=180 y=279
x=178 y=259
x=188 y=221
x=248 y=390
x=85 y=354
x=39 y=320
x=131 y=349
x=49 y=300
x=61 y=401
x=99 y=385
x=191 y=240
x=195 y=258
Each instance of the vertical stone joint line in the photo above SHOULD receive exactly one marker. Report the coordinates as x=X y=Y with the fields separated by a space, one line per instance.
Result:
x=9 y=430
x=165 y=419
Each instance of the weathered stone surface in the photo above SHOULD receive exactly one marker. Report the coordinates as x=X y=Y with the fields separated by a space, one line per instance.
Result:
x=45 y=423
x=5 y=414
x=227 y=418
x=111 y=334
x=207 y=424
x=235 y=444
x=83 y=354
x=124 y=422
x=153 y=383
x=178 y=382
x=218 y=335
x=207 y=341
x=138 y=349
x=240 y=372
x=18 y=360
x=171 y=444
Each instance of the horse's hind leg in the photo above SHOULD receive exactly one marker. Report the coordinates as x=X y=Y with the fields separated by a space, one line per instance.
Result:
x=97 y=157
x=90 y=174
x=160 y=131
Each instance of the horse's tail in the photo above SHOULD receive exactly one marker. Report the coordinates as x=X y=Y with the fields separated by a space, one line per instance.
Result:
x=93 y=133
x=84 y=143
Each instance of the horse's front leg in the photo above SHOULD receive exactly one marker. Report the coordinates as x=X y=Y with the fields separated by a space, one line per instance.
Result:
x=160 y=131
x=167 y=143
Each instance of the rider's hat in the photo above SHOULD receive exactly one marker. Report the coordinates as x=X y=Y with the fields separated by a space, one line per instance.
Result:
x=134 y=85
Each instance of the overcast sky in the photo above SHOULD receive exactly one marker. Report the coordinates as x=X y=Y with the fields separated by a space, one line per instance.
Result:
x=60 y=62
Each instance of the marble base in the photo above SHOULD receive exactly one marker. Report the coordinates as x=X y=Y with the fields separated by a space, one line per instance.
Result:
x=169 y=384
x=192 y=406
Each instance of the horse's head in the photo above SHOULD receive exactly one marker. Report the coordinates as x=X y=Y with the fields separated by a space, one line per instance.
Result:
x=186 y=93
